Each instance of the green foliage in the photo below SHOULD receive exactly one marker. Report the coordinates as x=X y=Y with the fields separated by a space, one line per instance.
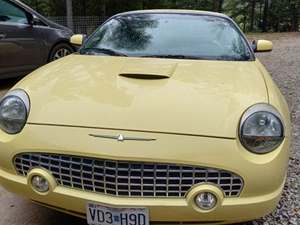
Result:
x=250 y=15
x=42 y=6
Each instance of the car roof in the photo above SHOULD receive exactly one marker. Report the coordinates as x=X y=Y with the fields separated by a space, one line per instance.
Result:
x=175 y=11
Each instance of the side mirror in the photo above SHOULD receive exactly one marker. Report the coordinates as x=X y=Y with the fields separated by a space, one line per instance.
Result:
x=77 y=39
x=262 y=46
x=33 y=20
x=36 y=21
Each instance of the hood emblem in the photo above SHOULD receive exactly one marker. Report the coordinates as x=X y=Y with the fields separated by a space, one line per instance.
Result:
x=122 y=138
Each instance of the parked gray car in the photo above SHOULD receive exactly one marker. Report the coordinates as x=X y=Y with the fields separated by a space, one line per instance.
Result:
x=28 y=40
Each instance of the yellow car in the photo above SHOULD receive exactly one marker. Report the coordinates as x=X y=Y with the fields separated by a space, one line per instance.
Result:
x=162 y=117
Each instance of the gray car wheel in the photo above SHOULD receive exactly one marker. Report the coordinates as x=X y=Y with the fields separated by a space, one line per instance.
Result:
x=59 y=51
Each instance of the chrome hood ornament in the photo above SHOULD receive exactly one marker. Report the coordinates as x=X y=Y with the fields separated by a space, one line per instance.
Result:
x=121 y=138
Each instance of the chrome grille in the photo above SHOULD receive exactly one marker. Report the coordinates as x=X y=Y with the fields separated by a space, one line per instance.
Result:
x=125 y=178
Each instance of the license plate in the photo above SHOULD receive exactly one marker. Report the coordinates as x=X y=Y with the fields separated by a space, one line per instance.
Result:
x=101 y=215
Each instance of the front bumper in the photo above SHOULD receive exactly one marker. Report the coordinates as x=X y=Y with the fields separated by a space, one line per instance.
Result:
x=263 y=175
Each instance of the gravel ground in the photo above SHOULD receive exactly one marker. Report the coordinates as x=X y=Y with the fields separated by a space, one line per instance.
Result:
x=284 y=65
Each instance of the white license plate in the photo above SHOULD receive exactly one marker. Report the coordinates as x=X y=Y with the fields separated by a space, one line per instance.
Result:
x=101 y=215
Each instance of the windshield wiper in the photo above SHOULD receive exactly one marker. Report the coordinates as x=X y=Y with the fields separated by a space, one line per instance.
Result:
x=221 y=57
x=107 y=51
x=233 y=58
x=171 y=56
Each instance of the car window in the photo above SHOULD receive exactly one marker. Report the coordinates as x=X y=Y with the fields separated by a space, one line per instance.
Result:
x=11 y=13
x=171 y=35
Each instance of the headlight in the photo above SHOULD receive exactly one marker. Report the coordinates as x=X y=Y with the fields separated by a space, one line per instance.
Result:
x=261 y=129
x=14 y=109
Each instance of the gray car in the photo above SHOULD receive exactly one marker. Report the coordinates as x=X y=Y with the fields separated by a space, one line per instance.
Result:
x=28 y=40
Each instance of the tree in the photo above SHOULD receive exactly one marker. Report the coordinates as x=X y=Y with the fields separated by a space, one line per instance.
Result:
x=251 y=15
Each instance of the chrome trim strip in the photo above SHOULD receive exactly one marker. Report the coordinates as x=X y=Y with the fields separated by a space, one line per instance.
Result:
x=120 y=137
x=128 y=130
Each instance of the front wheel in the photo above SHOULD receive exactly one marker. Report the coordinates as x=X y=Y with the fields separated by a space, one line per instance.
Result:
x=59 y=51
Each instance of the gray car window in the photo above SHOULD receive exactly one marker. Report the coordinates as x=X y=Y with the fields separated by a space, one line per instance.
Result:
x=11 y=14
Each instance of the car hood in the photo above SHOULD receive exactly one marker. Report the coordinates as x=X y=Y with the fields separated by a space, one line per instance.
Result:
x=183 y=97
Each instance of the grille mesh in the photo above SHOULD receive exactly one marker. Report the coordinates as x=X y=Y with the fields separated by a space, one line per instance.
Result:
x=125 y=178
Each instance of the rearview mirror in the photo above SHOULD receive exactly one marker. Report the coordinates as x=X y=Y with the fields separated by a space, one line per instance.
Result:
x=77 y=39
x=262 y=46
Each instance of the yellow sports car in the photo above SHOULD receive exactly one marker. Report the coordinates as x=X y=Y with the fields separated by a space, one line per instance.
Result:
x=162 y=117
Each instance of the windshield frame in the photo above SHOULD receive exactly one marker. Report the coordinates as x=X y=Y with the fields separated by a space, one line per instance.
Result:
x=229 y=20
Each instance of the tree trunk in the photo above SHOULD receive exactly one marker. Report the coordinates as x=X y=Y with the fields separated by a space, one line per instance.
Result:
x=215 y=5
x=252 y=15
x=142 y=5
x=84 y=14
x=265 y=16
x=220 y=5
x=294 y=17
x=83 y=3
x=103 y=9
x=245 y=23
x=69 y=8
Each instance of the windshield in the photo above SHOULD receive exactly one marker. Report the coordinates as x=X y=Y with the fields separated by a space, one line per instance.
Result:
x=182 y=36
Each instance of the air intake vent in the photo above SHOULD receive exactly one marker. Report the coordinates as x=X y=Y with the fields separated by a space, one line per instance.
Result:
x=144 y=76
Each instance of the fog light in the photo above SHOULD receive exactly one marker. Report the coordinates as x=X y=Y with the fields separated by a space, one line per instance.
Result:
x=40 y=184
x=206 y=201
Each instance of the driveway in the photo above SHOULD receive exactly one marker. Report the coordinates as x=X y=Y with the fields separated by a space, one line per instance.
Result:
x=284 y=65
x=15 y=210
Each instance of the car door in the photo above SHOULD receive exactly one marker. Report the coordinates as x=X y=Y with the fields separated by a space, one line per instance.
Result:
x=20 y=42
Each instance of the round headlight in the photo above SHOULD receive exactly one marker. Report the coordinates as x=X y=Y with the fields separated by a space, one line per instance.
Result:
x=261 y=129
x=14 y=108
